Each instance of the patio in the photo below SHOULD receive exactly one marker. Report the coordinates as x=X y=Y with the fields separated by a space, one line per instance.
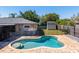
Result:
x=71 y=45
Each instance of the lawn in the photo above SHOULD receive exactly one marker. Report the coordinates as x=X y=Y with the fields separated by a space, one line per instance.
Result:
x=53 y=32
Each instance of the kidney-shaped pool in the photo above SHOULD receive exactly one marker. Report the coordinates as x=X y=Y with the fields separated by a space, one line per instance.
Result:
x=48 y=41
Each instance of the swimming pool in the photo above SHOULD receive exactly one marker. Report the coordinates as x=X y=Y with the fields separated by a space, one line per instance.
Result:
x=48 y=41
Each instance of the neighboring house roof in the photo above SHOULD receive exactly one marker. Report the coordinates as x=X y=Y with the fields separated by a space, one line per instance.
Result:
x=13 y=21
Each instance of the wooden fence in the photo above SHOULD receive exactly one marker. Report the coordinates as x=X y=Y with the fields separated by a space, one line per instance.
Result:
x=73 y=30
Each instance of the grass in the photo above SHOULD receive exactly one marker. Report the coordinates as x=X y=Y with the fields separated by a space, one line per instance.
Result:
x=53 y=32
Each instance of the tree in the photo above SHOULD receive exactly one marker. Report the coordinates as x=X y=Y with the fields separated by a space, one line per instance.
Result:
x=71 y=23
x=30 y=15
x=68 y=22
x=75 y=17
x=49 y=17
x=12 y=15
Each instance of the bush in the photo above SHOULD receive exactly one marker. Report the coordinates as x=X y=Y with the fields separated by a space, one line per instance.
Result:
x=42 y=27
x=65 y=31
x=40 y=31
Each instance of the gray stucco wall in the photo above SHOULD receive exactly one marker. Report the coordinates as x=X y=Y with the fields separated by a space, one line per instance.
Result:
x=51 y=25
x=20 y=28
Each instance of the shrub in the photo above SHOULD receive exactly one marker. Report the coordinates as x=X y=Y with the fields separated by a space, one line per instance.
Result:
x=65 y=31
x=40 y=31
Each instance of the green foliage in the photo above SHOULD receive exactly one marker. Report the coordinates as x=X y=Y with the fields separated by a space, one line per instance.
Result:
x=41 y=32
x=61 y=22
x=65 y=22
x=30 y=15
x=12 y=15
x=65 y=31
x=71 y=23
x=49 y=17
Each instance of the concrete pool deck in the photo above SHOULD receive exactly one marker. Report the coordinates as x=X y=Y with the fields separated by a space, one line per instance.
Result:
x=71 y=45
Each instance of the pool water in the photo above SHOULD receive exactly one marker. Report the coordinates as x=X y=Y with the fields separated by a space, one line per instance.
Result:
x=48 y=41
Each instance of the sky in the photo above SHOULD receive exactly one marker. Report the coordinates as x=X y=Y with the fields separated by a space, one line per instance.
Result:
x=63 y=11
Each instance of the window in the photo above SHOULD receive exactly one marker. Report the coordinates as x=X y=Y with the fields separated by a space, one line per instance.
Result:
x=26 y=26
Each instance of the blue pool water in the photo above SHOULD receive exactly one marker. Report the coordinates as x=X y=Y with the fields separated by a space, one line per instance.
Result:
x=48 y=41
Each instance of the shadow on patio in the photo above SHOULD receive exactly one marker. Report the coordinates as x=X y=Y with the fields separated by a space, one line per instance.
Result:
x=15 y=36
x=8 y=40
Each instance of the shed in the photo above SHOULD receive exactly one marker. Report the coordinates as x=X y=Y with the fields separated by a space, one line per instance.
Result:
x=51 y=25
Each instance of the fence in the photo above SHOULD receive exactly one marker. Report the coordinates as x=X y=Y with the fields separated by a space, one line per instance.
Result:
x=71 y=29
x=42 y=27
x=77 y=31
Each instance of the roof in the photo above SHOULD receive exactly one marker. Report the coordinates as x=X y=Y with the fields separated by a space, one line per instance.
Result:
x=13 y=21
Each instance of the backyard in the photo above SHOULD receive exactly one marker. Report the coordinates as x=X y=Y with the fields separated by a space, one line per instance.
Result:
x=27 y=31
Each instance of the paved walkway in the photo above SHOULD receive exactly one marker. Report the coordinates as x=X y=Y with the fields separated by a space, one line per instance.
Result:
x=71 y=45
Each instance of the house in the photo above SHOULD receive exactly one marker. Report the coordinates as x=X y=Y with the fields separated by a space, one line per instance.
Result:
x=51 y=25
x=18 y=25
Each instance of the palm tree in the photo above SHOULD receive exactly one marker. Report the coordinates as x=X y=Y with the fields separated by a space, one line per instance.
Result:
x=12 y=15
